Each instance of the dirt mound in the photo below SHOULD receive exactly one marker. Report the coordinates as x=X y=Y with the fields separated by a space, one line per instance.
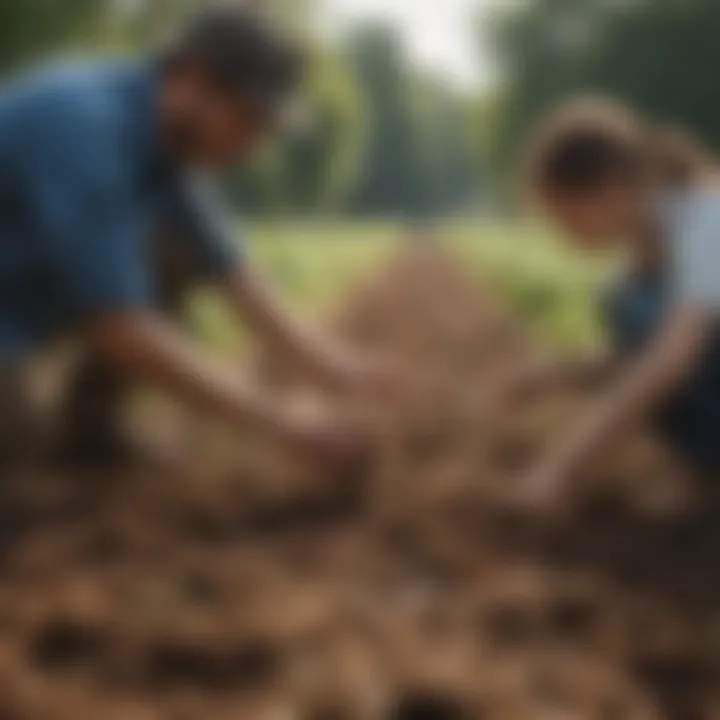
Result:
x=404 y=594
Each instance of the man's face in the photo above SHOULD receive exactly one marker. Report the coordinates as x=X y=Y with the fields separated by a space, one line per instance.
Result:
x=207 y=125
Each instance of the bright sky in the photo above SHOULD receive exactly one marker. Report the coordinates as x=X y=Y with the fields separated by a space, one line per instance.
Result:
x=441 y=34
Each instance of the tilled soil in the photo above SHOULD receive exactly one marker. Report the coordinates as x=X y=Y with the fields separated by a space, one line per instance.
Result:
x=404 y=591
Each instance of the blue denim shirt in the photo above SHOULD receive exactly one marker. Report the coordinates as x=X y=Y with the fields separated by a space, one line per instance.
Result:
x=84 y=185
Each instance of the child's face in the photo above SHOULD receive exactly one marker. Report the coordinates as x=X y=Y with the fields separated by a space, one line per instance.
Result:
x=594 y=220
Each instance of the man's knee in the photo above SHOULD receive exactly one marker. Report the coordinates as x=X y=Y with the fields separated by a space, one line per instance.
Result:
x=97 y=395
x=95 y=389
x=21 y=426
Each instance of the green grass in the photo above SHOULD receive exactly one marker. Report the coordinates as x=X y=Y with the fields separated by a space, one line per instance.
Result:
x=546 y=284
x=314 y=263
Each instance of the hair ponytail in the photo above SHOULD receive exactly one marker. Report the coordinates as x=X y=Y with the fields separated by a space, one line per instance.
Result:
x=676 y=158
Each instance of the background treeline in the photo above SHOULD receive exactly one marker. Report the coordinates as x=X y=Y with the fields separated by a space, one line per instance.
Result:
x=385 y=137
x=662 y=56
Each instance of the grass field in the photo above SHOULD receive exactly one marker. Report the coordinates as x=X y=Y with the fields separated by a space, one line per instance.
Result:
x=315 y=262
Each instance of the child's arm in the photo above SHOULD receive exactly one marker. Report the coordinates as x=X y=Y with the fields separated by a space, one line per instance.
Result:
x=641 y=387
x=542 y=374
x=274 y=325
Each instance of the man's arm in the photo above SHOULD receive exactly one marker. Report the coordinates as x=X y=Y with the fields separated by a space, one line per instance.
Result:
x=93 y=232
x=143 y=345
x=275 y=326
x=147 y=348
x=203 y=215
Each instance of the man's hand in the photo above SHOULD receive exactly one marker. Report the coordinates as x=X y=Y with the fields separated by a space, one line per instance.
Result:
x=364 y=376
x=337 y=442
x=148 y=348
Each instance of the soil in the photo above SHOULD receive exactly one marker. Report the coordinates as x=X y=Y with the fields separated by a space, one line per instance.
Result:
x=248 y=586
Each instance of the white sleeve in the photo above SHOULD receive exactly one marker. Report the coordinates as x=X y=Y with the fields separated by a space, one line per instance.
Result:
x=695 y=251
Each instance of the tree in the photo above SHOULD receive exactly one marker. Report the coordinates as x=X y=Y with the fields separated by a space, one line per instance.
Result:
x=449 y=166
x=323 y=159
x=392 y=175
x=417 y=159
x=31 y=28
x=314 y=167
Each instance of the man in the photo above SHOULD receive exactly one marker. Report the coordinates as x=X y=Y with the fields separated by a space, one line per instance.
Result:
x=96 y=163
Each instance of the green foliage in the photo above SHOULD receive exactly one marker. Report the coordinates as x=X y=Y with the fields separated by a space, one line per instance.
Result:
x=417 y=154
x=315 y=263
x=391 y=177
x=548 y=286
x=444 y=144
x=324 y=161
x=32 y=28
x=382 y=138
x=315 y=167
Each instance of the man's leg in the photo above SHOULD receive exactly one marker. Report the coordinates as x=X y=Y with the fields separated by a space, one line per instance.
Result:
x=92 y=415
x=20 y=434
x=94 y=411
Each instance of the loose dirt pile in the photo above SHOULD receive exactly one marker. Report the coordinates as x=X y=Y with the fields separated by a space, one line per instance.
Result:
x=403 y=593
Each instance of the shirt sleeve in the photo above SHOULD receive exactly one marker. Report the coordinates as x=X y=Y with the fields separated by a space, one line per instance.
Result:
x=204 y=221
x=87 y=222
x=695 y=251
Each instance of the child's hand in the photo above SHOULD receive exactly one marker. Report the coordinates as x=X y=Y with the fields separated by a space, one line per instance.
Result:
x=544 y=491
x=544 y=488
x=508 y=386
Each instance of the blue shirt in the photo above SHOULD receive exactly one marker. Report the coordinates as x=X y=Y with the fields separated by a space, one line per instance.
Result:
x=84 y=188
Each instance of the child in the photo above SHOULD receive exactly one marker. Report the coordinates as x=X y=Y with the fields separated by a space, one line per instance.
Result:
x=606 y=181
x=96 y=163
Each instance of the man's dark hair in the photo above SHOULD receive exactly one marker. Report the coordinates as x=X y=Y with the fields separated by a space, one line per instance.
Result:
x=242 y=52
